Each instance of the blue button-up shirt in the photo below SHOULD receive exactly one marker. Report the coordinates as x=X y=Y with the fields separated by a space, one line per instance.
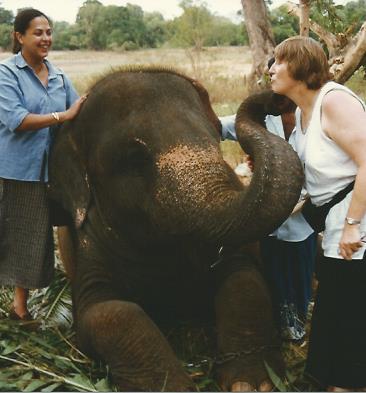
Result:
x=24 y=154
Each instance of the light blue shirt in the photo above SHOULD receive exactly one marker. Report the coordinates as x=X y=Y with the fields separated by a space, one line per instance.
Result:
x=228 y=127
x=24 y=154
x=295 y=228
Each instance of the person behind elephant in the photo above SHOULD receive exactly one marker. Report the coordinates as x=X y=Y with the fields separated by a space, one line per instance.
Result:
x=34 y=95
x=331 y=142
x=288 y=254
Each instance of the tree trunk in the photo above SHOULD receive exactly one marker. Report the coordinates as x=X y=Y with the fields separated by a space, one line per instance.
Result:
x=261 y=39
x=304 y=17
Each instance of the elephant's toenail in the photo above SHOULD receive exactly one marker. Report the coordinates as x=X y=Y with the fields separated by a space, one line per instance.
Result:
x=266 y=386
x=242 y=387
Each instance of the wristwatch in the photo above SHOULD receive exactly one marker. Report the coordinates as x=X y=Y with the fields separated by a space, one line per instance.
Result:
x=352 y=221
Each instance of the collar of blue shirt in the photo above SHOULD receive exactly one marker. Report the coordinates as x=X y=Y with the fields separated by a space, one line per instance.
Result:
x=53 y=71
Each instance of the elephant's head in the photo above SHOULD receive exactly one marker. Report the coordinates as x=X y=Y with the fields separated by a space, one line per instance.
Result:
x=144 y=154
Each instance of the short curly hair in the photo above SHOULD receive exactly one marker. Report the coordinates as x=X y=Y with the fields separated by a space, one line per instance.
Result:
x=306 y=60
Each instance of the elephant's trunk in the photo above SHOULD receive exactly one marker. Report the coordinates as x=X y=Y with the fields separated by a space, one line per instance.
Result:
x=218 y=207
x=277 y=179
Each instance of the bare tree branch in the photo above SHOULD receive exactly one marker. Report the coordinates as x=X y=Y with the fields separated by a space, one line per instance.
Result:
x=350 y=58
x=329 y=38
x=346 y=53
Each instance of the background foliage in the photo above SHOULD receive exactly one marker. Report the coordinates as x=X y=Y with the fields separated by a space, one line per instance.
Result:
x=99 y=27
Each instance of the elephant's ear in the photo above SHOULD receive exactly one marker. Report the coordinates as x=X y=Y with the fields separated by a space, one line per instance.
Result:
x=205 y=99
x=69 y=183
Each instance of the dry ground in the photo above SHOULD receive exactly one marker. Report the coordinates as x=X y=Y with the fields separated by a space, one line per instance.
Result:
x=222 y=70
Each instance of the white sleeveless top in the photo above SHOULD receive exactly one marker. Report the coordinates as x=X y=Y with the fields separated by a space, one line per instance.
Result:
x=328 y=169
x=295 y=228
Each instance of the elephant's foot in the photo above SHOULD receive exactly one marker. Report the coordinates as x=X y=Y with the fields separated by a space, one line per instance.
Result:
x=139 y=357
x=248 y=374
x=247 y=332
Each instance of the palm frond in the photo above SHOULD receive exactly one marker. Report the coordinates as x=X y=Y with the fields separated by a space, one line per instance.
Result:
x=53 y=304
x=46 y=360
x=6 y=297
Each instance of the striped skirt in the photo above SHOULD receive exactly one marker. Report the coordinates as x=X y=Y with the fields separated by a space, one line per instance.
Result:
x=26 y=238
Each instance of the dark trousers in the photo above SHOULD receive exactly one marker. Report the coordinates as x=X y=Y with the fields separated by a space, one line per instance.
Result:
x=337 y=348
x=288 y=268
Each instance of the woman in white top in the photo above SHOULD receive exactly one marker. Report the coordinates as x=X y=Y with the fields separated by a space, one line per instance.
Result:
x=331 y=142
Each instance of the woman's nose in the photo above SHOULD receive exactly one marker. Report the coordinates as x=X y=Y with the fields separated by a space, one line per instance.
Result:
x=45 y=37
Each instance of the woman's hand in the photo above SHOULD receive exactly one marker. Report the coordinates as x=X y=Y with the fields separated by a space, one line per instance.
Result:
x=74 y=109
x=350 y=241
x=33 y=122
x=299 y=205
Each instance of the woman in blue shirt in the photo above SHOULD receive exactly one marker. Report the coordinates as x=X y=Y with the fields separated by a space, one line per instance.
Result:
x=34 y=95
x=288 y=254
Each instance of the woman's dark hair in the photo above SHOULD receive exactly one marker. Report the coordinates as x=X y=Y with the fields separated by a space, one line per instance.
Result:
x=22 y=22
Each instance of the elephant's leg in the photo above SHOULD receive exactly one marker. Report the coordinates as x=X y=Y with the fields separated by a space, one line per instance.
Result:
x=137 y=353
x=246 y=328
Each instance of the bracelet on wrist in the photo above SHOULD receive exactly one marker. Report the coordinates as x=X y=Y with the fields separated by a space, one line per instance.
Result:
x=56 y=116
x=352 y=221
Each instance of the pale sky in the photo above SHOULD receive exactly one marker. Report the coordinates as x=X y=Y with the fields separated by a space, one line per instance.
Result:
x=67 y=9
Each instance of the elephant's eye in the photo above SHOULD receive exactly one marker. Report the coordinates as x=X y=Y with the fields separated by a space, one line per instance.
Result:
x=137 y=157
x=134 y=159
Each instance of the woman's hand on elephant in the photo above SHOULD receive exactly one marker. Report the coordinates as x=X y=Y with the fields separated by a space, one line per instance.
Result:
x=350 y=241
x=299 y=205
x=74 y=109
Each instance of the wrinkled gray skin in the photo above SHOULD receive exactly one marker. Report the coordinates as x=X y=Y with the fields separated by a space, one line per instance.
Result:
x=152 y=200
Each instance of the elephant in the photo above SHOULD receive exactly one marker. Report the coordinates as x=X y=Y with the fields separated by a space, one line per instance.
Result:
x=160 y=223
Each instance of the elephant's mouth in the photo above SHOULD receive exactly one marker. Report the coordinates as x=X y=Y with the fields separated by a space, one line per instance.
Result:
x=195 y=190
x=188 y=174
x=242 y=168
